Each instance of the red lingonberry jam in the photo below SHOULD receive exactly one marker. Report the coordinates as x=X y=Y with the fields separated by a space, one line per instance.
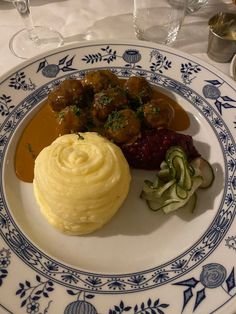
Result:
x=148 y=151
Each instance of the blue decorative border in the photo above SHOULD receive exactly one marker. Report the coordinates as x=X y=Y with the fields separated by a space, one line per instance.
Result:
x=212 y=276
x=123 y=283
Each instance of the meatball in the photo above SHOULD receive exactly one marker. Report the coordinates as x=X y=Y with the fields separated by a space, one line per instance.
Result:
x=100 y=80
x=138 y=90
x=107 y=101
x=68 y=93
x=71 y=119
x=88 y=95
x=122 y=126
x=158 y=113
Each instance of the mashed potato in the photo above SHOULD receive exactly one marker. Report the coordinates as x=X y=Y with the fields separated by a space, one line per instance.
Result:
x=80 y=181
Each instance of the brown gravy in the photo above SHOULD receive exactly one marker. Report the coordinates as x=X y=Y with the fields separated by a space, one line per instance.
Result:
x=41 y=131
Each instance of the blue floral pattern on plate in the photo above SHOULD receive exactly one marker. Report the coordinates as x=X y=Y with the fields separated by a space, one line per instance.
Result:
x=212 y=276
x=230 y=242
x=48 y=278
x=5 y=259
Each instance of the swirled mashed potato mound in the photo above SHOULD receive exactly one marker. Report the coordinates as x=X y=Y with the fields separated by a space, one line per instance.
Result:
x=80 y=181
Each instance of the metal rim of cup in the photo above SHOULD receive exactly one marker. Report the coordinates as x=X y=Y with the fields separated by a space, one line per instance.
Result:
x=217 y=42
x=211 y=27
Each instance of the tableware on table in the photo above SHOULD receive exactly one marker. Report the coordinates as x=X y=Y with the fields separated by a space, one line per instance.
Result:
x=32 y=40
x=158 y=21
x=233 y=68
x=195 y=5
x=142 y=261
x=222 y=37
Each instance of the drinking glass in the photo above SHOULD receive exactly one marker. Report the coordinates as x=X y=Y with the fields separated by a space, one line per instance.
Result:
x=32 y=40
x=195 y=5
x=158 y=21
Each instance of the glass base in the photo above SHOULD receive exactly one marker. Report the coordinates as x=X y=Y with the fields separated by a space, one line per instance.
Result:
x=25 y=44
x=158 y=34
x=195 y=5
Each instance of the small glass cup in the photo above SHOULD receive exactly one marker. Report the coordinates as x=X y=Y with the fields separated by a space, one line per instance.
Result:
x=195 y=5
x=158 y=21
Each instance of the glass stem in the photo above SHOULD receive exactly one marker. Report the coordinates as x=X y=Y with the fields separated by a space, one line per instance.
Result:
x=23 y=9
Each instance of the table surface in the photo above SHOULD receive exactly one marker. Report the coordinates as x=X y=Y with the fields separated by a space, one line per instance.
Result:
x=108 y=19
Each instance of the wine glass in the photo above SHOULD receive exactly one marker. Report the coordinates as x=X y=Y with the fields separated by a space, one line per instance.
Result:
x=32 y=40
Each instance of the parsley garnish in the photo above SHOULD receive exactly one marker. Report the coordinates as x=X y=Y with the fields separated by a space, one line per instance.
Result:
x=31 y=151
x=104 y=99
x=155 y=110
x=115 y=121
x=80 y=137
x=61 y=116
x=75 y=110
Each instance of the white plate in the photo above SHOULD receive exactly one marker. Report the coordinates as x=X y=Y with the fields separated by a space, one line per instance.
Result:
x=142 y=261
x=233 y=68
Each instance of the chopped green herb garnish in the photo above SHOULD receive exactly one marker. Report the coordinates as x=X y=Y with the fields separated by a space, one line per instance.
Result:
x=80 y=137
x=104 y=99
x=61 y=116
x=155 y=110
x=75 y=110
x=115 y=121
x=31 y=151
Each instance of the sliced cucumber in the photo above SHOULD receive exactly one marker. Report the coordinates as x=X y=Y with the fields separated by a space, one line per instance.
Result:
x=204 y=169
x=147 y=196
x=191 y=170
x=164 y=174
x=195 y=163
x=177 y=181
x=148 y=187
x=163 y=165
x=179 y=168
x=157 y=205
x=181 y=192
x=177 y=161
x=156 y=183
x=197 y=181
x=191 y=204
x=174 y=151
x=160 y=190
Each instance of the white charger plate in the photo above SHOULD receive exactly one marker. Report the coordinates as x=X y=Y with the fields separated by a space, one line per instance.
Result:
x=142 y=261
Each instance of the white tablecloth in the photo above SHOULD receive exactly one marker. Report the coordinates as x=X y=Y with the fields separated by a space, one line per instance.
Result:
x=103 y=19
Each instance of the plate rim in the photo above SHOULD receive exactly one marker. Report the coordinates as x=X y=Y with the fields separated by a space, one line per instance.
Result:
x=113 y=42
x=53 y=52
x=134 y=42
